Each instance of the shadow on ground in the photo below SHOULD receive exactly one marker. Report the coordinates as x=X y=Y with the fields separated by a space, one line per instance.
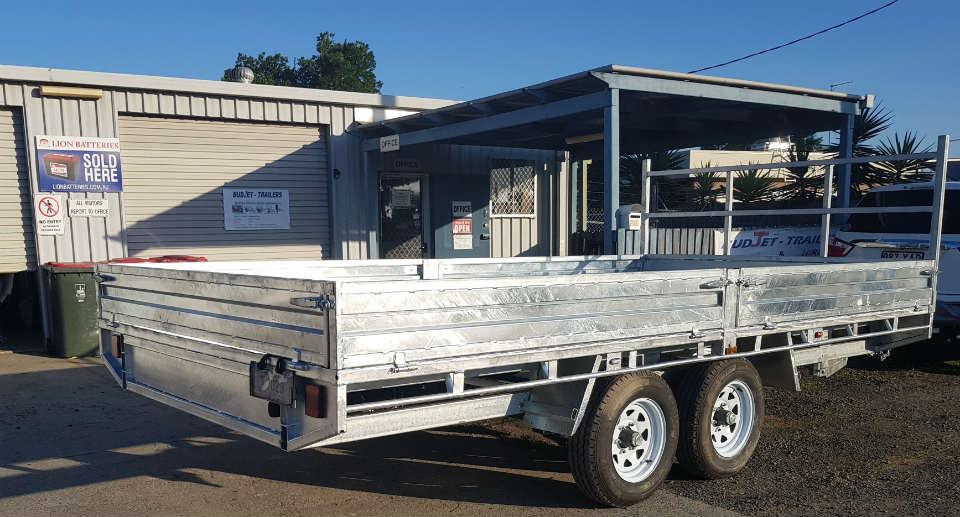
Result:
x=70 y=426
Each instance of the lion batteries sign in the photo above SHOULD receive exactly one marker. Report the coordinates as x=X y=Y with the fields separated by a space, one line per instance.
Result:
x=78 y=164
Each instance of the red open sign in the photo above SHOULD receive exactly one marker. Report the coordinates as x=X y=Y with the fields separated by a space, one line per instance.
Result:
x=461 y=226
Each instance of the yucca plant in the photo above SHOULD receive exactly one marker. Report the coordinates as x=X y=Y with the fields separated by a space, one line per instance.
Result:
x=668 y=189
x=753 y=186
x=804 y=187
x=868 y=125
x=898 y=171
x=706 y=188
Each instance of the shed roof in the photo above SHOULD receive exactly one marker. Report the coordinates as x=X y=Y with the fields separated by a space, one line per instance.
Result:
x=658 y=110
x=55 y=76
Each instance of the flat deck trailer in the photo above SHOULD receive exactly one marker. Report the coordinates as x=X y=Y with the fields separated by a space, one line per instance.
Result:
x=637 y=359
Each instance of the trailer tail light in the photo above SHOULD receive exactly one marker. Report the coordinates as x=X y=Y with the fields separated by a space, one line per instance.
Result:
x=818 y=334
x=314 y=401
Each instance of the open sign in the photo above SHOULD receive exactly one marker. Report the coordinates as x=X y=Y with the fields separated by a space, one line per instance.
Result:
x=461 y=226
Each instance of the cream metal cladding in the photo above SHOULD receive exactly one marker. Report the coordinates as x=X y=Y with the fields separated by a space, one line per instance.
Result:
x=87 y=239
x=17 y=246
x=174 y=171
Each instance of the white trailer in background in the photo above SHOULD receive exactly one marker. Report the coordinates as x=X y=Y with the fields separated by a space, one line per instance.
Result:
x=635 y=358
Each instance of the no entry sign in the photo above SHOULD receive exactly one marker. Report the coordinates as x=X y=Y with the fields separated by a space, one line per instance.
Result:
x=49 y=211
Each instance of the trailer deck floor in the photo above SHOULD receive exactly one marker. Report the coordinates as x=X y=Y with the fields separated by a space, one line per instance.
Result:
x=873 y=439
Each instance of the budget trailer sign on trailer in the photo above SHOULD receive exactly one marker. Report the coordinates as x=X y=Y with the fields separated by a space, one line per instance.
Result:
x=78 y=164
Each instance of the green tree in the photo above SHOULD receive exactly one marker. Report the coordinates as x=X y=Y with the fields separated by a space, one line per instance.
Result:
x=347 y=66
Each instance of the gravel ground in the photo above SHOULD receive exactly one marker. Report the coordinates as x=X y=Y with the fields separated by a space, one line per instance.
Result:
x=876 y=438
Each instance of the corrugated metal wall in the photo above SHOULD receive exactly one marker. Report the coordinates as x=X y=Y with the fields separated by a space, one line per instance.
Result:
x=174 y=171
x=84 y=239
x=94 y=239
x=17 y=247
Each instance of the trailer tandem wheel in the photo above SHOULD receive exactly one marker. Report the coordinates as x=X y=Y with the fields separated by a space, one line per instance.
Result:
x=626 y=443
x=721 y=410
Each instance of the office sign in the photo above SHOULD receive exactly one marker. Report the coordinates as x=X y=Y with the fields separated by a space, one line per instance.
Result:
x=389 y=143
x=49 y=212
x=462 y=209
x=78 y=164
x=256 y=209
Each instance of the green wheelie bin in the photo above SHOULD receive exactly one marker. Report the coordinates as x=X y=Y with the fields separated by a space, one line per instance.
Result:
x=72 y=304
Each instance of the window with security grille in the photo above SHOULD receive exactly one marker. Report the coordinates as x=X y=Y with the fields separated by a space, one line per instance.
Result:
x=513 y=188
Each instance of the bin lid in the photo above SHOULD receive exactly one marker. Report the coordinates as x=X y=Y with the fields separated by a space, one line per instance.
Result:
x=69 y=266
x=127 y=260
x=178 y=258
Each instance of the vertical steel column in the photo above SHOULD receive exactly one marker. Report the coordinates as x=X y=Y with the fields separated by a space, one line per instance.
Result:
x=611 y=170
x=574 y=197
x=936 y=216
x=846 y=151
x=645 y=166
x=825 y=218
x=728 y=218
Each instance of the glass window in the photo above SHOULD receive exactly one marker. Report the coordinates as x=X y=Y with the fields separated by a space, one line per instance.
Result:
x=906 y=223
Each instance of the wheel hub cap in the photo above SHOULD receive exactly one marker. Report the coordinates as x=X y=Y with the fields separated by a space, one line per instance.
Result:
x=731 y=424
x=638 y=440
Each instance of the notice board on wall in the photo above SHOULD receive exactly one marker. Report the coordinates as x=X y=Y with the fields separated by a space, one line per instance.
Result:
x=256 y=209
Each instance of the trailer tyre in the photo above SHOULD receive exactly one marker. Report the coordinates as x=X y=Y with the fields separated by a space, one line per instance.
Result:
x=721 y=412
x=626 y=443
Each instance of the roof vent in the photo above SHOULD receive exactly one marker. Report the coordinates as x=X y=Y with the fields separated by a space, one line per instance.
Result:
x=241 y=74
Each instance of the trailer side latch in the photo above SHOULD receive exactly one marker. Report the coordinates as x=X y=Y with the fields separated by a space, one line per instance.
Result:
x=269 y=382
x=313 y=302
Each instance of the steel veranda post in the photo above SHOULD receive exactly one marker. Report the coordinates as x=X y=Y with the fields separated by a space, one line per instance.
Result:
x=645 y=167
x=611 y=170
x=936 y=216
x=846 y=151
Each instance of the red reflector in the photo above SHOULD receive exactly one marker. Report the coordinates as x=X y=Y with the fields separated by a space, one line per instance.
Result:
x=314 y=403
x=818 y=334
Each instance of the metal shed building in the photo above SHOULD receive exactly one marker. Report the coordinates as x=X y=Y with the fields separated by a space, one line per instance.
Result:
x=367 y=175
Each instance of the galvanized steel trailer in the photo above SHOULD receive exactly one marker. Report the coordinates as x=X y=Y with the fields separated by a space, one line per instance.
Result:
x=635 y=358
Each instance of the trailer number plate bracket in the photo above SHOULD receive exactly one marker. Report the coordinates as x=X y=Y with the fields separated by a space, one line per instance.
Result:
x=269 y=384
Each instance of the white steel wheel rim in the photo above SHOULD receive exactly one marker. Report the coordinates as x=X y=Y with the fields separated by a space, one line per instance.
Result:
x=638 y=440
x=731 y=421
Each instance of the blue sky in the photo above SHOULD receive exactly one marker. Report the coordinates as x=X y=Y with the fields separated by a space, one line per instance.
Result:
x=907 y=54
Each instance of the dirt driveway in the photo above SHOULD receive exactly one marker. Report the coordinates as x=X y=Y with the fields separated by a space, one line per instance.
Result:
x=872 y=439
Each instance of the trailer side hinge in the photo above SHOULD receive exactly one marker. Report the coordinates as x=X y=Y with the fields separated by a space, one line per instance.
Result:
x=751 y=282
x=314 y=302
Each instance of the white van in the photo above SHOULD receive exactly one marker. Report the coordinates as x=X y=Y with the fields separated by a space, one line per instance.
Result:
x=907 y=237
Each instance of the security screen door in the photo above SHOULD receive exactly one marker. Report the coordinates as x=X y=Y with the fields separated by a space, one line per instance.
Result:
x=401 y=217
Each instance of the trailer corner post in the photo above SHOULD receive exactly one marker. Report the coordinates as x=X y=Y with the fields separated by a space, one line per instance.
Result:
x=936 y=215
x=846 y=151
x=611 y=170
x=827 y=206
x=645 y=166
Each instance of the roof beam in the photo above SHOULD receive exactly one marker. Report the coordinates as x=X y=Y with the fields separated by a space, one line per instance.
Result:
x=725 y=92
x=500 y=121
